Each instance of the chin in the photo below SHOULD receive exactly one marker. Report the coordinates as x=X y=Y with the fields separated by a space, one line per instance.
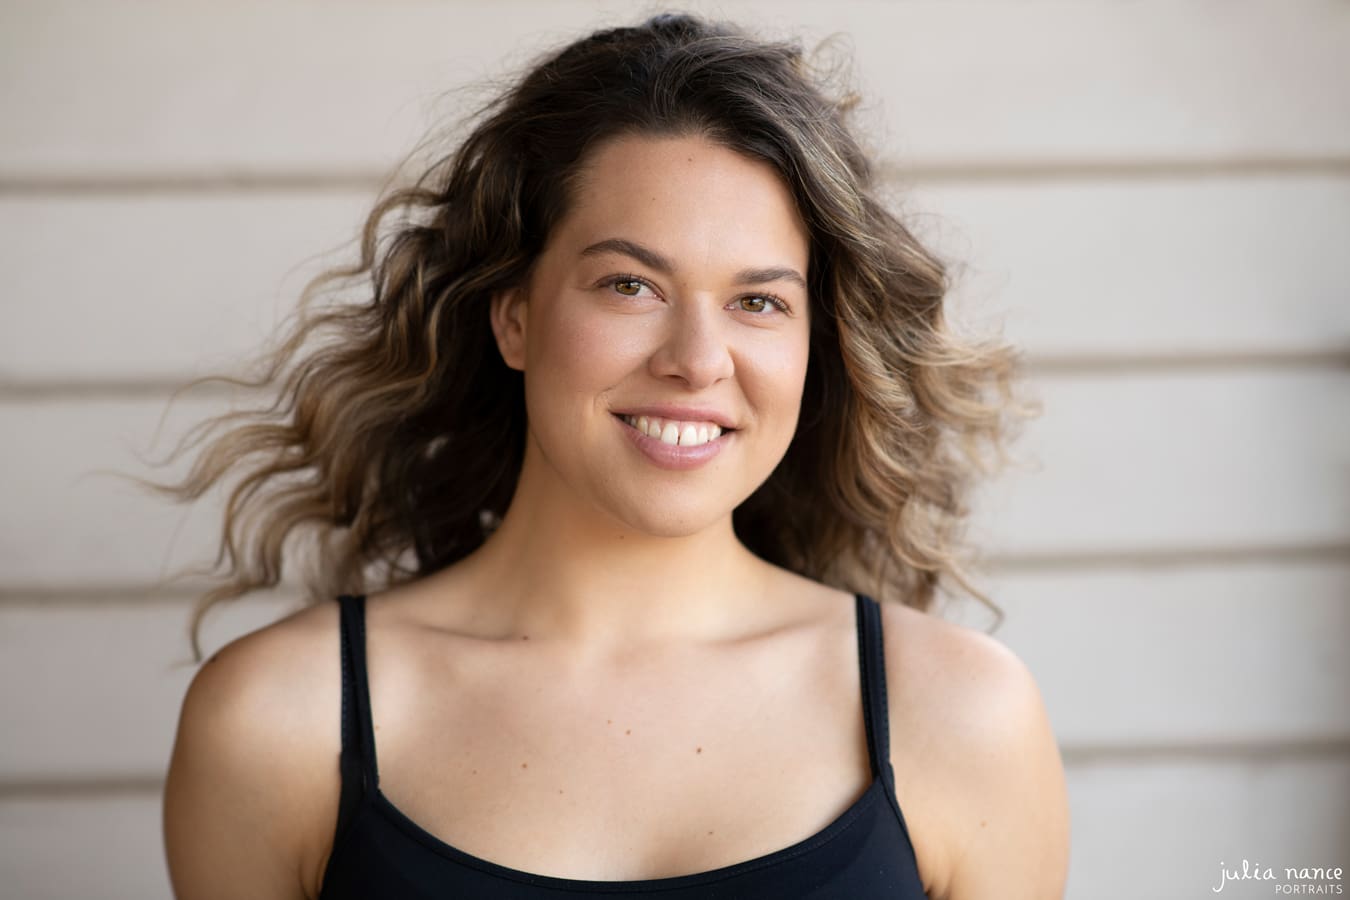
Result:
x=672 y=523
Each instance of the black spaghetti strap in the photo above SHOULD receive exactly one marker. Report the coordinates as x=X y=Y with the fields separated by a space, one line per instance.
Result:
x=356 y=782
x=876 y=714
x=872 y=665
x=357 y=761
x=362 y=730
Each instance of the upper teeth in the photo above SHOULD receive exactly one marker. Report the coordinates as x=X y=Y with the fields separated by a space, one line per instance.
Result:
x=668 y=431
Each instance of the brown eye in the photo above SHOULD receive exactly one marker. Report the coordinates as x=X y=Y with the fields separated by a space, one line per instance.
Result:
x=760 y=300
x=635 y=285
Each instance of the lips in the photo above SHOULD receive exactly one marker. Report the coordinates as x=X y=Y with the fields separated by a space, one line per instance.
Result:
x=673 y=456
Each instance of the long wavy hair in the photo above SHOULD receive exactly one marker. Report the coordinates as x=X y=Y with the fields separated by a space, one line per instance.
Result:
x=396 y=434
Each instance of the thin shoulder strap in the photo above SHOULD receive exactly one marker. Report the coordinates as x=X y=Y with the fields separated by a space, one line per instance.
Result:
x=872 y=665
x=359 y=773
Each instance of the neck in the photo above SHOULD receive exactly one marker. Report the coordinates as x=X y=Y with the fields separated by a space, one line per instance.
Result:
x=560 y=570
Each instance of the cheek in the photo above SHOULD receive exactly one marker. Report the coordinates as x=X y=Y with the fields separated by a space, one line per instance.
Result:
x=582 y=350
x=779 y=373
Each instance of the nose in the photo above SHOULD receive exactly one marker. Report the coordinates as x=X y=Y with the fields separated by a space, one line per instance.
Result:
x=694 y=345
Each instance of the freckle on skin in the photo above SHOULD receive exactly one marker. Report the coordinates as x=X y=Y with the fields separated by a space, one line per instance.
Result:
x=524 y=765
x=699 y=750
x=982 y=823
x=524 y=637
x=628 y=731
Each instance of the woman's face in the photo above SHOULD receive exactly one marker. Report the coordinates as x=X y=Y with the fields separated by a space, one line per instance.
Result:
x=675 y=284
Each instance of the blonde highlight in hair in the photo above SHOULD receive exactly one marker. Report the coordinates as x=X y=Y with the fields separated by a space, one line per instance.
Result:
x=397 y=432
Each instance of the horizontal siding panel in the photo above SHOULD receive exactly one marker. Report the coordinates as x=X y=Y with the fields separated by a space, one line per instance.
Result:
x=1160 y=830
x=1245 y=656
x=1141 y=464
x=1171 y=267
x=1248 y=653
x=1291 y=813
x=83 y=846
x=1164 y=463
x=111 y=680
x=165 y=286
x=1098 y=267
x=953 y=83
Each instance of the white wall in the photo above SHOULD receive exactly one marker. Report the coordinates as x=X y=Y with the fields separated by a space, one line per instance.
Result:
x=1153 y=196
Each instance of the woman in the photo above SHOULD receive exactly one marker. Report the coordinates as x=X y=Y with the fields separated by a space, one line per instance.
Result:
x=649 y=399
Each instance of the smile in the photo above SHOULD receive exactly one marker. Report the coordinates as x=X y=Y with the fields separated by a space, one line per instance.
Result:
x=669 y=431
x=666 y=448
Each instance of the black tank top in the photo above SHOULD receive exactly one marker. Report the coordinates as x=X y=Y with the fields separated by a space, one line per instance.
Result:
x=378 y=852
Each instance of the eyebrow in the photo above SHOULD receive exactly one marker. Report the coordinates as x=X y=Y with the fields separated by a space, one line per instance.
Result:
x=649 y=257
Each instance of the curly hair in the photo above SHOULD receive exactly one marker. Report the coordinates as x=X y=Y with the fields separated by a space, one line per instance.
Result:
x=397 y=432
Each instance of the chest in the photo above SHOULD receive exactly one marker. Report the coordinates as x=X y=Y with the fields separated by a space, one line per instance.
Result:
x=662 y=768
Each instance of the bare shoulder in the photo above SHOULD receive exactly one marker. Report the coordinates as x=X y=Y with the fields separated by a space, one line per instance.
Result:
x=976 y=761
x=250 y=799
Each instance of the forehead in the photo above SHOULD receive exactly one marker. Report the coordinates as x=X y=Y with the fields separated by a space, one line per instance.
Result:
x=699 y=201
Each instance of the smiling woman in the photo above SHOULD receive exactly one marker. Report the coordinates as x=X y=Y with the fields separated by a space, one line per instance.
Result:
x=631 y=480
x=682 y=347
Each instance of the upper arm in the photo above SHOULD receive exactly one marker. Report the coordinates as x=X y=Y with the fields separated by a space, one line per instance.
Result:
x=1013 y=801
x=233 y=815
